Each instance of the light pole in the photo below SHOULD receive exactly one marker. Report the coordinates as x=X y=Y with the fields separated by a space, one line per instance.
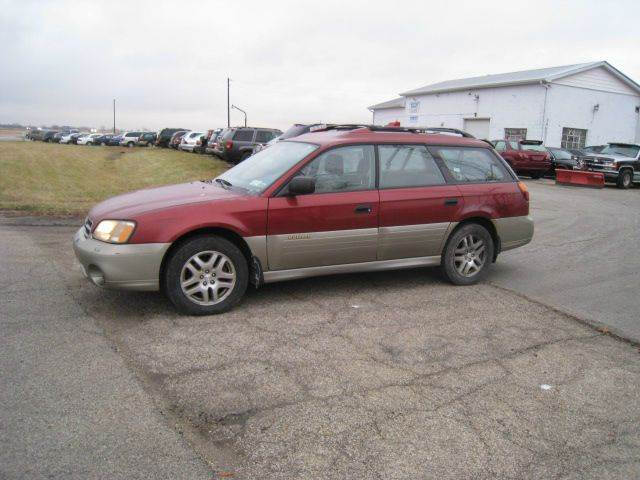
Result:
x=114 y=115
x=228 y=111
x=241 y=110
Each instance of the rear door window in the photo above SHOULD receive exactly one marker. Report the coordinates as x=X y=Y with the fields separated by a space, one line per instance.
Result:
x=471 y=165
x=403 y=166
x=243 y=135
x=263 y=136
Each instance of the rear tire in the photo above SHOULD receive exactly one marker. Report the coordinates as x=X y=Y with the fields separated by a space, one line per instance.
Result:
x=206 y=275
x=535 y=176
x=244 y=156
x=625 y=179
x=130 y=144
x=468 y=255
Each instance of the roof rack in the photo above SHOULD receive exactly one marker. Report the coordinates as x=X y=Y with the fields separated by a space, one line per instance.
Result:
x=449 y=130
x=378 y=128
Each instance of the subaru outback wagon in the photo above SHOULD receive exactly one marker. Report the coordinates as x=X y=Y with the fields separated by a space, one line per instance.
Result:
x=338 y=200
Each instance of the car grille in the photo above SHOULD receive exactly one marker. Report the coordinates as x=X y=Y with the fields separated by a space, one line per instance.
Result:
x=597 y=163
x=87 y=227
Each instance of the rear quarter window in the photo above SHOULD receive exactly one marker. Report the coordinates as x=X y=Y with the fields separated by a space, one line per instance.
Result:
x=263 y=136
x=472 y=165
x=243 y=135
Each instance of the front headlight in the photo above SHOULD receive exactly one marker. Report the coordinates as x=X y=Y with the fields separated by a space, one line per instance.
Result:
x=114 y=231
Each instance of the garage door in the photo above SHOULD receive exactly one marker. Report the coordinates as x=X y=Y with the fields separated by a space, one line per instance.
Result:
x=478 y=127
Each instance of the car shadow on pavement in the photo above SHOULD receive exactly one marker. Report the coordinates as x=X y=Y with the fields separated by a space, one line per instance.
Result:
x=123 y=306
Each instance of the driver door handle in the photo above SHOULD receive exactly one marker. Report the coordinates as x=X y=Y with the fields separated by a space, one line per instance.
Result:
x=363 y=209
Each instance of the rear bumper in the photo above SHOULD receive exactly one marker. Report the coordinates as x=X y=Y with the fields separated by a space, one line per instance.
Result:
x=514 y=232
x=127 y=267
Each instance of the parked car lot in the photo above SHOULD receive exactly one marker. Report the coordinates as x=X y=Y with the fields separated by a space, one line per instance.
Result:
x=129 y=139
x=189 y=141
x=526 y=157
x=619 y=162
x=176 y=138
x=236 y=144
x=561 y=158
x=396 y=368
x=147 y=139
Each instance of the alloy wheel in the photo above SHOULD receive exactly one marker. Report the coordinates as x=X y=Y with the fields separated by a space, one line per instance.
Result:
x=207 y=278
x=469 y=255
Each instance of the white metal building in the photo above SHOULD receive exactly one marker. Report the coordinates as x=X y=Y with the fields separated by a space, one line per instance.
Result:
x=570 y=106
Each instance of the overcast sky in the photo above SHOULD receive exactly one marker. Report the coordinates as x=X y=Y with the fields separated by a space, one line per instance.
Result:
x=166 y=63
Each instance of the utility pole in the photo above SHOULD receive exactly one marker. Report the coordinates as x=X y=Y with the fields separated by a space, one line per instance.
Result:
x=228 y=109
x=245 y=114
x=114 y=115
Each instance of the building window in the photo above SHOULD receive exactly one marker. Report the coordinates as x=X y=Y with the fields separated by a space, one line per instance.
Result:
x=413 y=106
x=516 y=134
x=413 y=119
x=573 y=138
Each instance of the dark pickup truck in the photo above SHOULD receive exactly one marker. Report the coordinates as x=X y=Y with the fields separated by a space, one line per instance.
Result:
x=619 y=162
x=526 y=157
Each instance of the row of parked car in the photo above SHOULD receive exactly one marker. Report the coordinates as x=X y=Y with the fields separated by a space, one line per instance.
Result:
x=75 y=137
x=619 y=162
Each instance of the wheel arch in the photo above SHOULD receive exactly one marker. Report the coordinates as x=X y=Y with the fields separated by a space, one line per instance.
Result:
x=486 y=223
x=222 y=232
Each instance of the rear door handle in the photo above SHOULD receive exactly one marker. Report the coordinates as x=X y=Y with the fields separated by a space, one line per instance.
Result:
x=363 y=209
x=451 y=201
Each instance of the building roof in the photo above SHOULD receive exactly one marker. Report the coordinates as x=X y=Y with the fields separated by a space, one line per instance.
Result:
x=517 y=78
x=395 y=103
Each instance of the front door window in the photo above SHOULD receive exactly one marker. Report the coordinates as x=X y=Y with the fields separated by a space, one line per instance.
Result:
x=344 y=169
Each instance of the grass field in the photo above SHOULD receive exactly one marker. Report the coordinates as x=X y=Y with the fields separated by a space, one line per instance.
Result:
x=69 y=179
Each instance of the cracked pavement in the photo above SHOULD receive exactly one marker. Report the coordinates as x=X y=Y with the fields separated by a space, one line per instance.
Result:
x=392 y=375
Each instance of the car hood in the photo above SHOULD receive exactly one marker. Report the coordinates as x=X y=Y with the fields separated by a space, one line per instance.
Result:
x=616 y=158
x=130 y=205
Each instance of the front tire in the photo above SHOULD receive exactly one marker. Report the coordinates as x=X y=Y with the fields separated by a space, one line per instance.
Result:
x=535 y=176
x=625 y=179
x=468 y=255
x=206 y=275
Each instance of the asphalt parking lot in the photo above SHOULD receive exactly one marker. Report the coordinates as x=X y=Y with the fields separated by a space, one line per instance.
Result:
x=387 y=375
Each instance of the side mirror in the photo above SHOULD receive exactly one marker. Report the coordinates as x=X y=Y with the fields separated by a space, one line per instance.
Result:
x=302 y=185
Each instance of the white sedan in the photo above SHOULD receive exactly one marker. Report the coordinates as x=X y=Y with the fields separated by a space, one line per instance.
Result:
x=66 y=138
x=87 y=139
x=189 y=140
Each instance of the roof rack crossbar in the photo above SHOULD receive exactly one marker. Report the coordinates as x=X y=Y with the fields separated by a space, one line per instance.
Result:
x=378 y=128
x=449 y=130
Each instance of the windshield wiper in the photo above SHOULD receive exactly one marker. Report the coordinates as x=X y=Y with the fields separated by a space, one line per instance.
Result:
x=225 y=183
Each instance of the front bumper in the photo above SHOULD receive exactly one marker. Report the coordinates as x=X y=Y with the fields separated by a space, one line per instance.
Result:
x=126 y=266
x=609 y=173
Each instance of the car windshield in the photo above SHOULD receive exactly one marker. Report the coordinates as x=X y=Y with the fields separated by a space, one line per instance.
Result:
x=535 y=148
x=624 y=150
x=562 y=154
x=259 y=171
x=294 y=131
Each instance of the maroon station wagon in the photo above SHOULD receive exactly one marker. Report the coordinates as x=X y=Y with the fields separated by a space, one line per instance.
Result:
x=341 y=199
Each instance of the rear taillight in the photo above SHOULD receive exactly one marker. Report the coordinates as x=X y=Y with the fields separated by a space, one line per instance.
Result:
x=228 y=145
x=524 y=190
